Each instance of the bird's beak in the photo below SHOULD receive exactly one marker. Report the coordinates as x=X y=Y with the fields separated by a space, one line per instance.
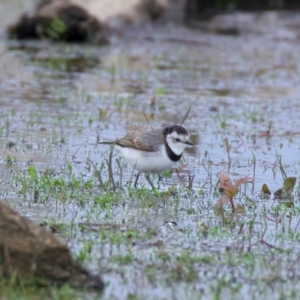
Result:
x=188 y=143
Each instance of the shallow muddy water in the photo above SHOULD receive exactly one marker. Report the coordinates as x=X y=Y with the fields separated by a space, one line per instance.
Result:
x=58 y=99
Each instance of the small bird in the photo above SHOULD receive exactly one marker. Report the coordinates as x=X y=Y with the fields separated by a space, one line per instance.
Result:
x=153 y=151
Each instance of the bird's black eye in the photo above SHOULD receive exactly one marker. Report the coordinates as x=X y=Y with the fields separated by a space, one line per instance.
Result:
x=177 y=140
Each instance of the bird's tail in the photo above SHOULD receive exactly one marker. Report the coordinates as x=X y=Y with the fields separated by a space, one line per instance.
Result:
x=106 y=143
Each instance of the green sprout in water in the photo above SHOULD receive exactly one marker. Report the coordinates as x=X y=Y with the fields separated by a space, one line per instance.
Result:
x=56 y=29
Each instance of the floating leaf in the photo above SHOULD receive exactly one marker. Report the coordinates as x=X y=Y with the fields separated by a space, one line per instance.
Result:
x=265 y=189
x=288 y=185
x=287 y=189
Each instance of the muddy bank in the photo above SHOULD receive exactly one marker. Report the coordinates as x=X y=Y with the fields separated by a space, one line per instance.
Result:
x=34 y=254
x=59 y=21
x=201 y=9
x=97 y=21
x=77 y=21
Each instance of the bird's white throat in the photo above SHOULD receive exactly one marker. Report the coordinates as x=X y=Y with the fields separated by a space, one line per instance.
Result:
x=176 y=142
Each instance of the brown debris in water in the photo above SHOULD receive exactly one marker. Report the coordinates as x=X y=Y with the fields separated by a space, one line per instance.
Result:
x=30 y=252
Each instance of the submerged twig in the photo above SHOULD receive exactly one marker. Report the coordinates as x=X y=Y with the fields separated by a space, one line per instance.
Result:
x=186 y=115
x=284 y=176
x=294 y=263
x=147 y=120
x=109 y=166
x=97 y=137
x=73 y=156
x=179 y=177
x=262 y=239
x=254 y=171
x=191 y=180
x=97 y=173
x=273 y=220
x=227 y=147
x=121 y=171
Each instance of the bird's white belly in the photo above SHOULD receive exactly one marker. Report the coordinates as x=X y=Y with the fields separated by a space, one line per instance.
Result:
x=153 y=162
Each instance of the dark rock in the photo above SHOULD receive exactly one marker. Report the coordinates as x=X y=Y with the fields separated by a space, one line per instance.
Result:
x=59 y=21
x=36 y=255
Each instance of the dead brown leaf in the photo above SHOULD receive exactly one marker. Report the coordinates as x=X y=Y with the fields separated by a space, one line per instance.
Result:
x=221 y=202
x=230 y=190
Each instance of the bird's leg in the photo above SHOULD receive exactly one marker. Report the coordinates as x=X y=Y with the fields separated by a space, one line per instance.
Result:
x=149 y=180
x=136 y=180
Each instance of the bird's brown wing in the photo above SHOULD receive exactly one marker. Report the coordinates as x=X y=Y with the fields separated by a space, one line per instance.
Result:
x=145 y=141
x=149 y=140
x=126 y=141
